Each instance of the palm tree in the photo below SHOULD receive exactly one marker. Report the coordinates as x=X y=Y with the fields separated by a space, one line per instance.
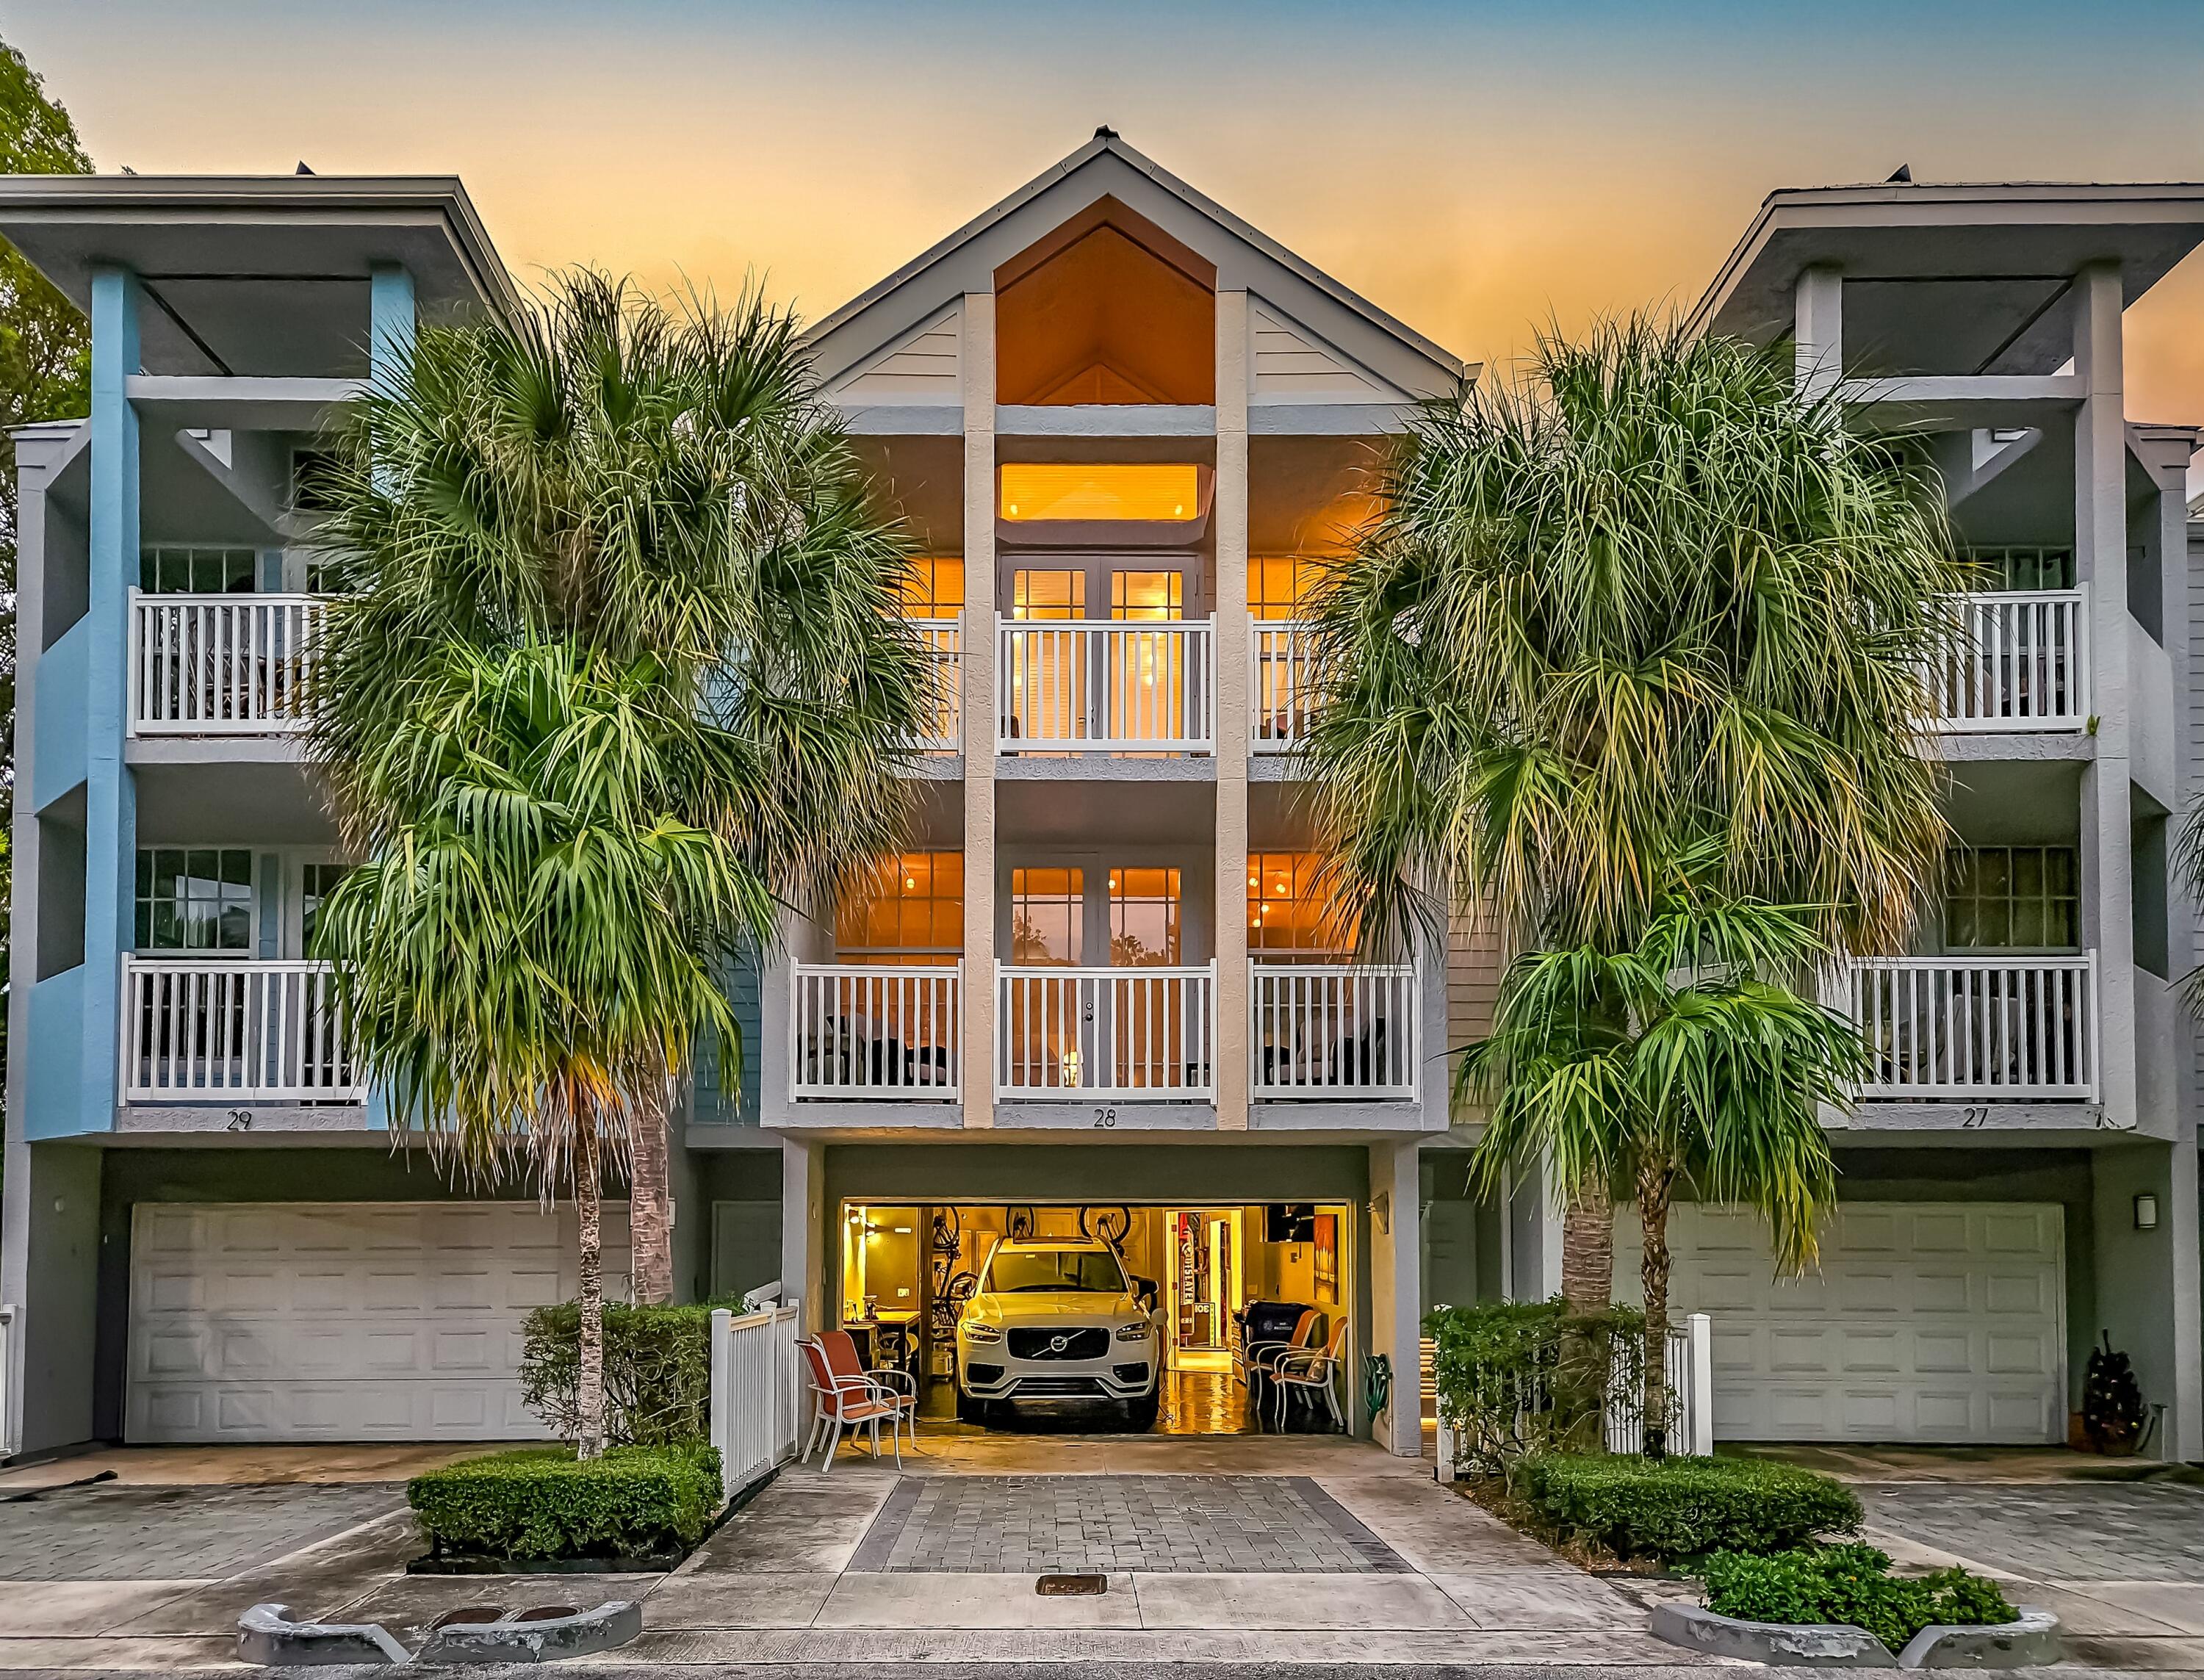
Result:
x=527 y=955
x=1644 y=598
x=1686 y=1060
x=663 y=490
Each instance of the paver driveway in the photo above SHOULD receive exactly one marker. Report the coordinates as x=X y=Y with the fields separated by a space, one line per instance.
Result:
x=2121 y=1563
x=110 y=1531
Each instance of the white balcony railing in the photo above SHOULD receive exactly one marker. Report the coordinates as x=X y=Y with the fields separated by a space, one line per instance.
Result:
x=220 y=665
x=2022 y=663
x=1111 y=1032
x=207 y=1030
x=1331 y=1031
x=944 y=638
x=1281 y=685
x=877 y=1032
x=1970 y=1024
x=1145 y=687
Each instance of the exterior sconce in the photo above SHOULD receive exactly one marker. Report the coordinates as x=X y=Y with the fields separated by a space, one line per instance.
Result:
x=2146 y=1212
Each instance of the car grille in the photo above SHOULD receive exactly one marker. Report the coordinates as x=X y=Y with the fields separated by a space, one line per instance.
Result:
x=1058 y=1387
x=1090 y=1343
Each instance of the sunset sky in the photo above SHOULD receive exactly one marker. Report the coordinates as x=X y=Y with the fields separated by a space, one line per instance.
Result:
x=1476 y=168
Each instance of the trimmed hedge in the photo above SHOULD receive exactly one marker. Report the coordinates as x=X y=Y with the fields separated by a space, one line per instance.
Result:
x=1684 y=1507
x=543 y=1502
x=1850 y=1583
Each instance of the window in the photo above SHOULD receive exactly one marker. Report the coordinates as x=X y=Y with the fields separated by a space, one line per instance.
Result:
x=1287 y=911
x=319 y=881
x=194 y=900
x=1278 y=588
x=935 y=587
x=2023 y=568
x=1048 y=916
x=912 y=910
x=2012 y=898
x=1047 y=490
x=1147 y=595
x=1048 y=594
x=188 y=570
x=311 y=473
x=1144 y=918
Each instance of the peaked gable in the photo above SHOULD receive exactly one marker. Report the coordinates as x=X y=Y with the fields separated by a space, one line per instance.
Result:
x=1343 y=348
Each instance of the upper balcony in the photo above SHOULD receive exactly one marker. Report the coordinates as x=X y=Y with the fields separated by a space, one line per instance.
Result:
x=1974 y=1026
x=1106 y=687
x=230 y=1030
x=2020 y=664
x=226 y=665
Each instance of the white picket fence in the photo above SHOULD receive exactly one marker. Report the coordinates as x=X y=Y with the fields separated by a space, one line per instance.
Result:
x=1691 y=1371
x=11 y=1426
x=756 y=1393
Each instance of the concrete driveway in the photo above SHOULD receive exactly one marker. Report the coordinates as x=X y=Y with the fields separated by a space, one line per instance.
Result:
x=1310 y=1552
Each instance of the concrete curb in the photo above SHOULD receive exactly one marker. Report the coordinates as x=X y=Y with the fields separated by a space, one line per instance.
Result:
x=269 y=1634
x=1805 y=1645
x=526 y=1638
x=2032 y=1642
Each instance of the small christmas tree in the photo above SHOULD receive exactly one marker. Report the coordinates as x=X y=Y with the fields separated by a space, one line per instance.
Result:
x=2111 y=1400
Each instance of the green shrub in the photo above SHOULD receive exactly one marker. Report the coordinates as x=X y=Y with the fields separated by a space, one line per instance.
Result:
x=1682 y=1507
x=658 y=1371
x=1529 y=1376
x=1853 y=1584
x=542 y=1502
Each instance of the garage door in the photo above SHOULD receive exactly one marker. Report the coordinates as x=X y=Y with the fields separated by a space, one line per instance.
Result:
x=342 y=1321
x=1928 y=1321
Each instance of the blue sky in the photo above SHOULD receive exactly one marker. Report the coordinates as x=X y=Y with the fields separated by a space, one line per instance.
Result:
x=1476 y=169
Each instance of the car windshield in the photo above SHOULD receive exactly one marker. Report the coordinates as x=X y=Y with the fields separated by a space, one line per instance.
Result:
x=1092 y=1269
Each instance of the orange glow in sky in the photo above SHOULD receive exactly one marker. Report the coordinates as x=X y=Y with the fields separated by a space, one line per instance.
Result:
x=1477 y=170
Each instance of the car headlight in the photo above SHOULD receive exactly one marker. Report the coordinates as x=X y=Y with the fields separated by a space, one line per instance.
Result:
x=1139 y=1332
x=982 y=1333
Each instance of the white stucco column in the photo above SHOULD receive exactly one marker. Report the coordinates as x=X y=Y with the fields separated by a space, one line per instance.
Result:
x=804 y=1255
x=977 y=361
x=1817 y=330
x=1397 y=1307
x=1230 y=519
x=2100 y=550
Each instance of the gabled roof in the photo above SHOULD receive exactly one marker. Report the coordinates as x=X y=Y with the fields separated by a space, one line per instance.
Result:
x=1245 y=258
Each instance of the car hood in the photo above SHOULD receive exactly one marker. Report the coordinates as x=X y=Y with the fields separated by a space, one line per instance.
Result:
x=1096 y=1307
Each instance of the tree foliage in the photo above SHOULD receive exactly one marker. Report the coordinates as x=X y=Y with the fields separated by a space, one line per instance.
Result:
x=1644 y=597
x=45 y=369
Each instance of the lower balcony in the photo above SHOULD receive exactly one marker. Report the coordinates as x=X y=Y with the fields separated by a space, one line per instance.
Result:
x=1332 y=1034
x=1969 y=1025
x=209 y=1029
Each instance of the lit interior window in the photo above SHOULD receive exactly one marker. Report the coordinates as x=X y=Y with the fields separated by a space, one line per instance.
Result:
x=1044 y=490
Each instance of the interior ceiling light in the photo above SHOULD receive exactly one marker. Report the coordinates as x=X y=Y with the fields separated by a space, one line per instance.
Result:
x=1045 y=490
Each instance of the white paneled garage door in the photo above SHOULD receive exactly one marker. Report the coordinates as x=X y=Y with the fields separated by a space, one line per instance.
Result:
x=1928 y=1321
x=374 y=1321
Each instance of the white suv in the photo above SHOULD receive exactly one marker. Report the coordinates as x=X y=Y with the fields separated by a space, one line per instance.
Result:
x=1056 y=1318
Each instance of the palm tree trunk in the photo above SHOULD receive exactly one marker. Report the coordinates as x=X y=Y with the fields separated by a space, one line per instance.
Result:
x=1588 y=1250
x=650 y=1210
x=1655 y=1184
x=590 y=1389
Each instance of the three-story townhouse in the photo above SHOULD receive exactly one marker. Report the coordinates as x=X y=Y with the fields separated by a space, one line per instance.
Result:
x=1099 y=990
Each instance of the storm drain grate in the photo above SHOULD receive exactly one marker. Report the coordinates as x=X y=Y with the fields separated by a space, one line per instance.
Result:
x=1071 y=1586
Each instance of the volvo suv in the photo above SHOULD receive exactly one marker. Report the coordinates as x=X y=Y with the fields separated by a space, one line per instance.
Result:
x=1056 y=1318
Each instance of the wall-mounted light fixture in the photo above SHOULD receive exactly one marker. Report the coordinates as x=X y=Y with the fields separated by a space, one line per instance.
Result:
x=2146 y=1212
